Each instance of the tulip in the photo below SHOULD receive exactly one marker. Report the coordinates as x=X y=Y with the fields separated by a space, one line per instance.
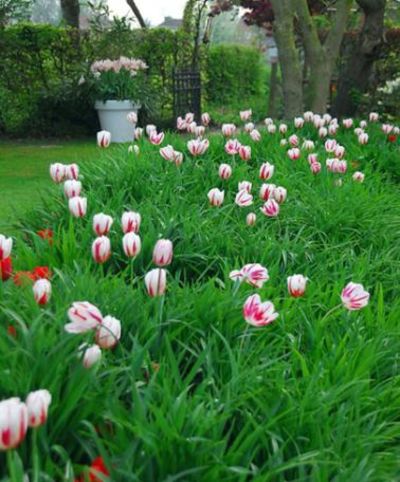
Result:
x=387 y=128
x=271 y=129
x=228 y=130
x=198 y=147
x=245 y=153
x=57 y=172
x=131 y=221
x=205 y=119
x=77 y=206
x=38 y=403
x=138 y=133
x=354 y=297
x=251 y=219
x=108 y=333
x=156 y=139
x=216 y=197
x=373 y=116
x=5 y=247
x=330 y=145
x=156 y=282
x=13 y=423
x=245 y=115
x=168 y=153
x=102 y=224
x=189 y=117
x=280 y=194
x=72 y=189
x=150 y=128
x=255 y=135
x=298 y=122
x=322 y=132
x=297 y=285
x=41 y=272
x=270 y=208
x=312 y=158
x=347 y=123
x=267 y=191
x=363 y=138
x=283 y=128
x=103 y=138
x=72 y=172
x=294 y=154
x=178 y=159
x=243 y=198
x=257 y=313
x=91 y=356
x=249 y=127
x=135 y=149
x=191 y=127
x=225 y=171
x=268 y=121
x=315 y=167
x=200 y=131
x=339 y=152
x=308 y=116
x=283 y=142
x=181 y=124
x=318 y=121
x=363 y=124
x=245 y=185
x=83 y=316
x=163 y=252
x=42 y=291
x=332 y=129
x=232 y=147
x=5 y=269
x=358 y=131
x=131 y=244
x=254 y=274
x=101 y=249
x=132 y=118
x=308 y=145
x=396 y=130
x=358 y=176
x=266 y=171
x=327 y=118
x=294 y=140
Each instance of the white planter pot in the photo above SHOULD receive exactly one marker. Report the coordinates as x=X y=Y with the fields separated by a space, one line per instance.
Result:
x=112 y=116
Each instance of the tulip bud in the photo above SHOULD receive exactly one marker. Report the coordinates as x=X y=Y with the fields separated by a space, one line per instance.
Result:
x=363 y=124
x=199 y=131
x=244 y=185
x=198 y=147
x=283 y=128
x=131 y=222
x=57 y=172
x=156 y=139
x=243 y=198
x=216 y=197
x=332 y=129
x=101 y=249
x=255 y=135
x=297 y=285
x=13 y=423
x=42 y=291
x=312 y=158
x=373 y=117
x=245 y=153
x=330 y=145
x=245 y=115
x=83 y=316
x=102 y=224
x=138 y=133
x=103 y=138
x=348 y=123
x=132 y=118
x=308 y=145
x=189 y=117
x=339 y=151
x=294 y=140
x=271 y=129
x=315 y=167
x=322 y=132
x=228 y=130
x=363 y=138
x=178 y=158
x=168 y=153
x=270 y=208
x=308 y=116
x=267 y=191
x=150 y=128
x=232 y=147
x=72 y=189
x=266 y=171
x=5 y=247
x=280 y=194
x=72 y=172
x=108 y=333
x=5 y=269
x=205 y=119
x=163 y=252
x=181 y=124
x=156 y=282
x=91 y=356
x=249 y=127
x=358 y=176
x=387 y=128
x=38 y=403
x=191 y=127
x=251 y=219
x=131 y=244
x=225 y=171
x=77 y=206
x=298 y=122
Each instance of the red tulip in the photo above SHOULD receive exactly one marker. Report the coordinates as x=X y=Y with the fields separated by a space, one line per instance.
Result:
x=5 y=269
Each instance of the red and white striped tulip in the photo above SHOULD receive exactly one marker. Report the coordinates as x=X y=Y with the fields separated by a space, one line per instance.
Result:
x=293 y=140
x=38 y=403
x=358 y=131
x=354 y=297
x=163 y=252
x=178 y=158
x=131 y=244
x=255 y=135
x=253 y=274
x=138 y=133
x=77 y=206
x=245 y=115
x=294 y=153
x=101 y=249
x=6 y=245
x=57 y=172
x=358 y=176
x=200 y=131
x=197 y=147
x=339 y=151
x=228 y=130
x=189 y=117
x=245 y=185
x=257 y=313
x=315 y=167
x=330 y=145
x=312 y=158
x=270 y=208
x=205 y=119
x=318 y=121
x=297 y=285
x=363 y=124
x=84 y=317
x=363 y=138
x=308 y=145
x=72 y=188
x=298 y=122
x=271 y=129
x=280 y=194
x=322 y=132
x=266 y=171
x=373 y=117
x=181 y=124
x=249 y=127
x=130 y=222
x=268 y=121
x=283 y=128
x=225 y=171
x=243 y=198
x=168 y=153
x=42 y=291
x=156 y=282
x=245 y=153
x=216 y=197
x=132 y=118
x=308 y=116
x=327 y=118
x=103 y=139
x=191 y=128
x=102 y=224
x=150 y=128
x=332 y=129
x=348 y=123
x=251 y=219
x=387 y=128
x=13 y=423
x=267 y=191
x=232 y=147
x=108 y=333
x=156 y=138
x=72 y=172
x=92 y=355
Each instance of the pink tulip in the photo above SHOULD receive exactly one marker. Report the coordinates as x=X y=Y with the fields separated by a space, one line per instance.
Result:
x=373 y=116
x=83 y=316
x=57 y=172
x=131 y=244
x=283 y=128
x=243 y=199
x=354 y=297
x=92 y=355
x=251 y=219
x=245 y=185
x=189 y=117
x=255 y=135
x=228 y=130
x=270 y=208
x=253 y=274
x=156 y=139
x=358 y=176
x=72 y=172
x=216 y=197
x=130 y=222
x=198 y=147
x=280 y=194
x=191 y=128
x=266 y=171
x=132 y=118
x=163 y=252
x=205 y=119
x=308 y=145
x=13 y=423
x=294 y=140
x=387 y=128
x=245 y=115
x=297 y=285
x=72 y=188
x=168 y=153
x=298 y=122
x=103 y=139
x=232 y=147
x=156 y=282
x=339 y=152
x=108 y=333
x=294 y=154
x=363 y=138
x=138 y=133
x=150 y=128
x=332 y=129
x=249 y=127
x=38 y=403
x=257 y=313
x=225 y=171
x=42 y=291
x=77 y=206
x=330 y=145
x=245 y=153
x=347 y=123
x=6 y=245
x=315 y=167
x=181 y=124
x=267 y=191
x=312 y=158
x=102 y=224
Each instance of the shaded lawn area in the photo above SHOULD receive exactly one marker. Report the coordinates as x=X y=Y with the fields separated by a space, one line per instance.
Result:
x=24 y=170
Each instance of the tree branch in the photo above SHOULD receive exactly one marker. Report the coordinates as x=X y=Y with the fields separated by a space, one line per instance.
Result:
x=335 y=36
x=137 y=13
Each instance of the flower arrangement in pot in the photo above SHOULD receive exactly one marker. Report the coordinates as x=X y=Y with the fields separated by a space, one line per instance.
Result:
x=120 y=90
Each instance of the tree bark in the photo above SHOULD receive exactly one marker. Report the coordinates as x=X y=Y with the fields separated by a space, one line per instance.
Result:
x=70 y=12
x=288 y=58
x=273 y=92
x=137 y=13
x=356 y=74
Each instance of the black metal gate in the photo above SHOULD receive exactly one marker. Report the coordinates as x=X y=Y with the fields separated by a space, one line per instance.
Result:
x=187 y=92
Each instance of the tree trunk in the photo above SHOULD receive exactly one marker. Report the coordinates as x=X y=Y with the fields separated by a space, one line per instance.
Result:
x=356 y=74
x=288 y=58
x=70 y=12
x=137 y=13
x=273 y=92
